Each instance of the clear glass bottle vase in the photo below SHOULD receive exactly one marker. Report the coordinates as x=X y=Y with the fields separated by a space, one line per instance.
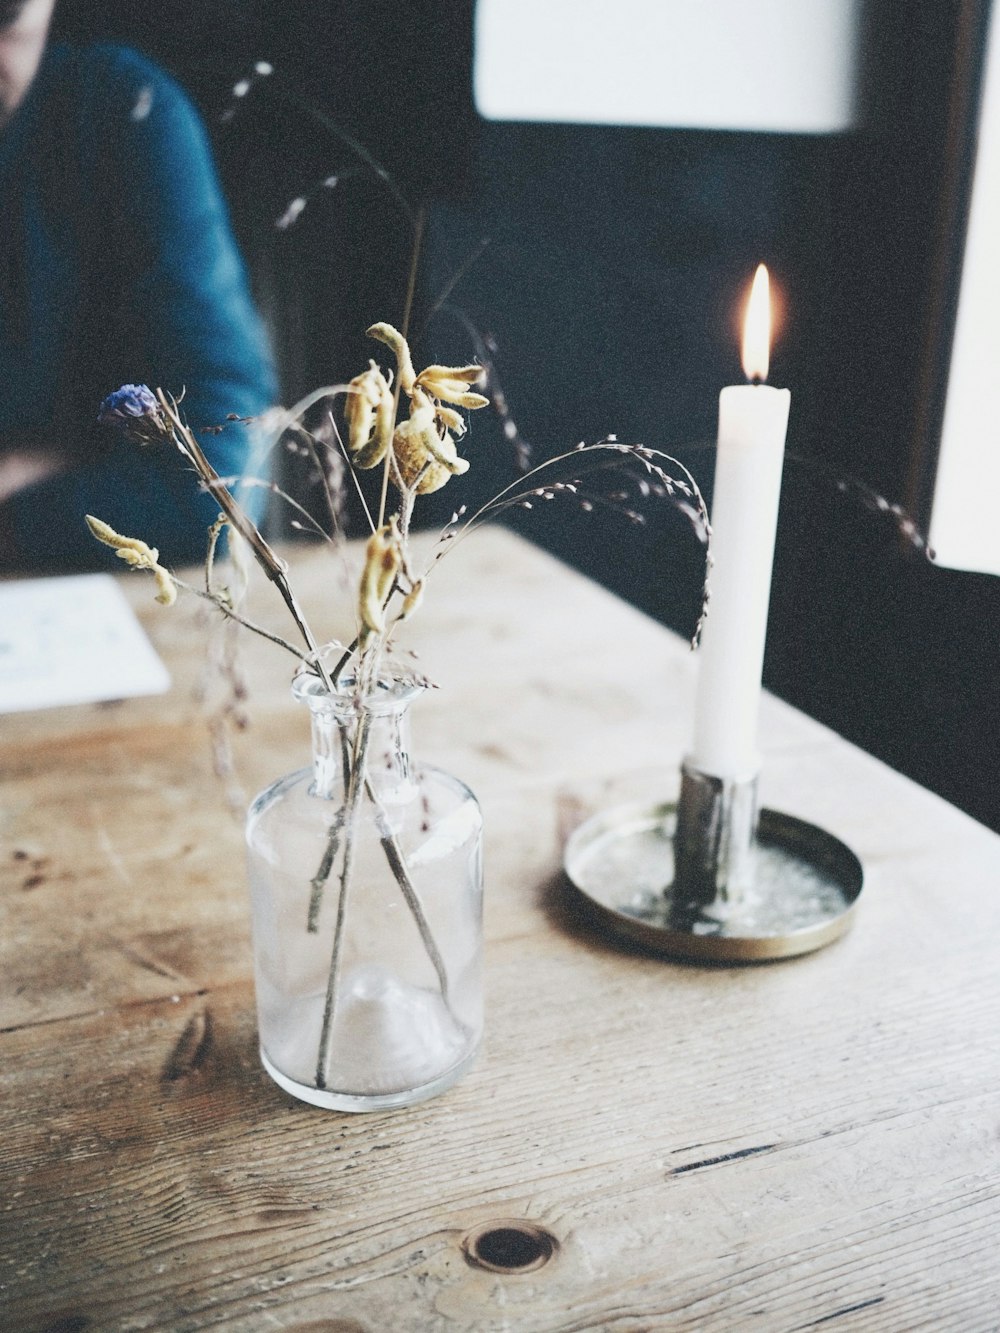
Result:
x=366 y=891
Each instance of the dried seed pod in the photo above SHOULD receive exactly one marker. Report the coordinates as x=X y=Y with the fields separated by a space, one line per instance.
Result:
x=385 y=333
x=425 y=459
x=452 y=384
x=369 y=417
x=450 y=419
x=412 y=600
x=137 y=555
x=382 y=564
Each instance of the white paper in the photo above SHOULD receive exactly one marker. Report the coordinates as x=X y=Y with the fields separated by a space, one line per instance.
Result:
x=72 y=640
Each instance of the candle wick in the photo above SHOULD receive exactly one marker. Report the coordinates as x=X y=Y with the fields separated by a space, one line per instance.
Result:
x=756 y=379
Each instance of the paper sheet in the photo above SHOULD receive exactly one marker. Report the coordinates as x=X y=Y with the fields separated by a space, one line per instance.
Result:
x=70 y=641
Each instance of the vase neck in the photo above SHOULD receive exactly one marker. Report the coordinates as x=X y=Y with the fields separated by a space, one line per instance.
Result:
x=374 y=731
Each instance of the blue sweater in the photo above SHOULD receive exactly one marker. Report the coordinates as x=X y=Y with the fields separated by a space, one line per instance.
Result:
x=117 y=265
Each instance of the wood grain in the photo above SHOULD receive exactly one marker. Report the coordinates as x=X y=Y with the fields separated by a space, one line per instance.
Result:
x=800 y=1145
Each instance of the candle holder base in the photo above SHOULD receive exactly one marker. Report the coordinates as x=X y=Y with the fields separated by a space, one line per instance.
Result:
x=805 y=888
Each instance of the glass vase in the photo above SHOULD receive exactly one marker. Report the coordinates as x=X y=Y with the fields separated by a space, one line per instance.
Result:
x=366 y=892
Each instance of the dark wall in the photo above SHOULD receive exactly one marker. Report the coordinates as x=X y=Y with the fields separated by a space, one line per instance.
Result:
x=606 y=298
x=899 y=655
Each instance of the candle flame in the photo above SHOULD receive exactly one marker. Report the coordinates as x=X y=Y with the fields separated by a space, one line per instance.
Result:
x=757 y=327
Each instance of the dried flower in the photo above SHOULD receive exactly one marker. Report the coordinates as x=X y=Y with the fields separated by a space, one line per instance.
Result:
x=450 y=419
x=369 y=413
x=382 y=563
x=134 y=410
x=137 y=555
x=423 y=446
x=412 y=600
x=385 y=333
x=452 y=384
x=425 y=459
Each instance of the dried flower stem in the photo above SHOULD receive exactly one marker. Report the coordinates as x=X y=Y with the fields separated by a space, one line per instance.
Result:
x=397 y=863
x=331 y=504
x=352 y=797
x=360 y=151
x=274 y=568
x=411 y=287
x=287 y=499
x=318 y=882
x=357 y=485
x=342 y=835
x=469 y=262
x=217 y=600
x=214 y=533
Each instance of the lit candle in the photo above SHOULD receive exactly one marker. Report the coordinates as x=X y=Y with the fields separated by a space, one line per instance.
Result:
x=753 y=419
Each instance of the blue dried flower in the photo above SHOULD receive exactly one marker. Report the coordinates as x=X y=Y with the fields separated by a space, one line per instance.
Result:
x=134 y=410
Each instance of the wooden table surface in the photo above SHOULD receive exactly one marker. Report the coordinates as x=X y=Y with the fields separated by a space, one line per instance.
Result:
x=777 y=1147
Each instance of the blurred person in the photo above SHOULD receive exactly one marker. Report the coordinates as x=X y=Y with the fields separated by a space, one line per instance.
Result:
x=117 y=265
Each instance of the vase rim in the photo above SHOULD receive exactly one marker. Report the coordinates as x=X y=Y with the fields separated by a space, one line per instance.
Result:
x=390 y=695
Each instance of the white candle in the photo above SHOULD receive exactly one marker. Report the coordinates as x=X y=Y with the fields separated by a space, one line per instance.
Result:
x=753 y=419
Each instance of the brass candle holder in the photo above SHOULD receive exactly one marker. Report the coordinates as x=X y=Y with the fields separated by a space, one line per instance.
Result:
x=714 y=878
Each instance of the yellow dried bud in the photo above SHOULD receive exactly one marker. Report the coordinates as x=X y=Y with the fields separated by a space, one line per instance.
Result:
x=412 y=600
x=450 y=419
x=418 y=446
x=167 y=594
x=452 y=384
x=382 y=564
x=362 y=399
x=385 y=333
x=369 y=417
x=137 y=555
x=105 y=533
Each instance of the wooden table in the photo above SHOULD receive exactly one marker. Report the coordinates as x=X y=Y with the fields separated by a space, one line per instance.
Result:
x=775 y=1147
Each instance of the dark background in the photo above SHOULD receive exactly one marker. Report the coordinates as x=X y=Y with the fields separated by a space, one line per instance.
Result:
x=606 y=299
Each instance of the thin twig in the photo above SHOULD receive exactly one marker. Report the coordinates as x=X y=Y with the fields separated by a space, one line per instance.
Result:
x=376 y=167
x=352 y=796
x=354 y=478
x=262 y=483
x=331 y=504
x=397 y=864
x=227 y=610
x=411 y=287
x=318 y=882
x=345 y=658
x=274 y=568
x=213 y=541
x=469 y=262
